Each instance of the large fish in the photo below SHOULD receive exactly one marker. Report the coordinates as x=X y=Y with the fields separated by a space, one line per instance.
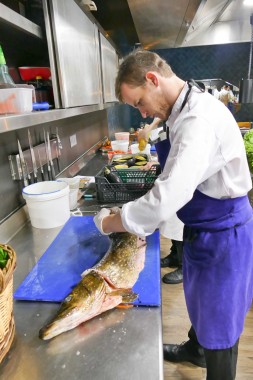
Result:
x=102 y=287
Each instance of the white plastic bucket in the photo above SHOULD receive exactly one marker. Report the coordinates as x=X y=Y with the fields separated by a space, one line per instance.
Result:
x=73 y=190
x=47 y=203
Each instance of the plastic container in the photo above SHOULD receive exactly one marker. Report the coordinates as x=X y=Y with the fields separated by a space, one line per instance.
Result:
x=122 y=136
x=134 y=148
x=41 y=106
x=114 y=145
x=123 y=146
x=15 y=100
x=135 y=183
x=47 y=203
x=6 y=80
x=120 y=145
x=73 y=190
x=30 y=73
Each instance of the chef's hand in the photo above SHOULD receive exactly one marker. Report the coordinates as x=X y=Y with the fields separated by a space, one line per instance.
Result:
x=115 y=210
x=98 y=219
x=148 y=165
x=143 y=135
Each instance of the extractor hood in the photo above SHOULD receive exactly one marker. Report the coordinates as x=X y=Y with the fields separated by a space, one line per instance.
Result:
x=163 y=24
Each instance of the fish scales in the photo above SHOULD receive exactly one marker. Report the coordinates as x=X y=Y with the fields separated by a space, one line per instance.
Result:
x=126 y=267
x=102 y=287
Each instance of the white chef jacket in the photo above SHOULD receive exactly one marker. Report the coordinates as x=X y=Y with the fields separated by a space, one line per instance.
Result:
x=173 y=228
x=207 y=153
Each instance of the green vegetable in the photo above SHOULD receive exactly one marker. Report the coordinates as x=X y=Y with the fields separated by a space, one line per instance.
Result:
x=248 y=143
x=111 y=177
x=4 y=257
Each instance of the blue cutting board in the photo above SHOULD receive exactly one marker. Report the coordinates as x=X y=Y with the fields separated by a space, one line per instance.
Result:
x=77 y=247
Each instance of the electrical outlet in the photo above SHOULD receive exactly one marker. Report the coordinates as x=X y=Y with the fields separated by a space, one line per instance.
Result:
x=72 y=140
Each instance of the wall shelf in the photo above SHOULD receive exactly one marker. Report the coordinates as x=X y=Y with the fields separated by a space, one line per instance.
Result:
x=15 y=20
x=14 y=122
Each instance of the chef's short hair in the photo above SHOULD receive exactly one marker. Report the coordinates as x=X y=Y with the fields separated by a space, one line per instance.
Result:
x=133 y=69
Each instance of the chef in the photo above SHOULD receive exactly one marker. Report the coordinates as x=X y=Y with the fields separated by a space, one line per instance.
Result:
x=205 y=181
x=173 y=228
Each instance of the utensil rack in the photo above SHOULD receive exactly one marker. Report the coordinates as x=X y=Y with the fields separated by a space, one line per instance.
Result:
x=39 y=150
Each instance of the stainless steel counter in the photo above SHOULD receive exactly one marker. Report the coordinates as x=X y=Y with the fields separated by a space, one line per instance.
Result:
x=119 y=344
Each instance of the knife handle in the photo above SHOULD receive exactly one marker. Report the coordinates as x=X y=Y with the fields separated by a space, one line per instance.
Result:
x=42 y=175
x=29 y=179
x=58 y=165
x=35 y=178
x=25 y=182
x=50 y=178
x=52 y=171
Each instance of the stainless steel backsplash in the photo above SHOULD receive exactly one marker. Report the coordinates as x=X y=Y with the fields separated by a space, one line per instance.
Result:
x=89 y=129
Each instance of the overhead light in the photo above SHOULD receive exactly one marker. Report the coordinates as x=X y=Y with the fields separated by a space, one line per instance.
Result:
x=246 y=85
x=248 y=3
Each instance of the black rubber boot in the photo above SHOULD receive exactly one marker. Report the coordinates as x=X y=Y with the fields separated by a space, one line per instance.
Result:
x=175 y=277
x=185 y=352
x=170 y=261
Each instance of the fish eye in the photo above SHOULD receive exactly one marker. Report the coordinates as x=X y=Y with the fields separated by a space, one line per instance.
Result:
x=68 y=298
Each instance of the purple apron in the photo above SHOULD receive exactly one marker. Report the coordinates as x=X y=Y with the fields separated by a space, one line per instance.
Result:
x=217 y=267
x=162 y=149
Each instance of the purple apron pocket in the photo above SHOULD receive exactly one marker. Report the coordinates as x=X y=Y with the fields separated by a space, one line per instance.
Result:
x=205 y=249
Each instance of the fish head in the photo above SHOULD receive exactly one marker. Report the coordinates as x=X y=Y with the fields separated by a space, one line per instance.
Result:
x=80 y=305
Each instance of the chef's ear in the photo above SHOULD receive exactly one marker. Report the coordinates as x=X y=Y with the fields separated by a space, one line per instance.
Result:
x=152 y=77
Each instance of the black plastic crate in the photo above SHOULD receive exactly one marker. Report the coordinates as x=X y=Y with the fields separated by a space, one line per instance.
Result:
x=135 y=183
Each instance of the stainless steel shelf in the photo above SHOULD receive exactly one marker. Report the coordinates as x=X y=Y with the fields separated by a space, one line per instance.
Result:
x=19 y=22
x=14 y=122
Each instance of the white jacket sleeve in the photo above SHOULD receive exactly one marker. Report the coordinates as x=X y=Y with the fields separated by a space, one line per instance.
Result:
x=188 y=164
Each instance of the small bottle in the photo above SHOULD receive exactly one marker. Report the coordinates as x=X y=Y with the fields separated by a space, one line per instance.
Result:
x=6 y=80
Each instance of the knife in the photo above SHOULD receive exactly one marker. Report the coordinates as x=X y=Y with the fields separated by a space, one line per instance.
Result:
x=35 y=178
x=50 y=157
x=23 y=164
x=59 y=147
x=29 y=178
x=41 y=167
x=47 y=157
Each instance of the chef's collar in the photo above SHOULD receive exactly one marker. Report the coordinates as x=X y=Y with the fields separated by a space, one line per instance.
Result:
x=176 y=109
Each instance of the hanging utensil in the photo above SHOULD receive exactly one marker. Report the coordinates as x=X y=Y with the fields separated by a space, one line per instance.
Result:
x=50 y=157
x=35 y=178
x=23 y=165
x=41 y=167
x=47 y=158
x=29 y=178
x=59 y=147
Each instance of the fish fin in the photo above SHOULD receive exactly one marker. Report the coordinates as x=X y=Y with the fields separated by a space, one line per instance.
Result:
x=127 y=295
x=124 y=306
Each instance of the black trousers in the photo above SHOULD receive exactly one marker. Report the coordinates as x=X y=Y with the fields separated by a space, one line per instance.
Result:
x=220 y=364
x=177 y=250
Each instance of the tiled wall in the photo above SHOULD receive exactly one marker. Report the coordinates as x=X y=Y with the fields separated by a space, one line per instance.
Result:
x=228 y=61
